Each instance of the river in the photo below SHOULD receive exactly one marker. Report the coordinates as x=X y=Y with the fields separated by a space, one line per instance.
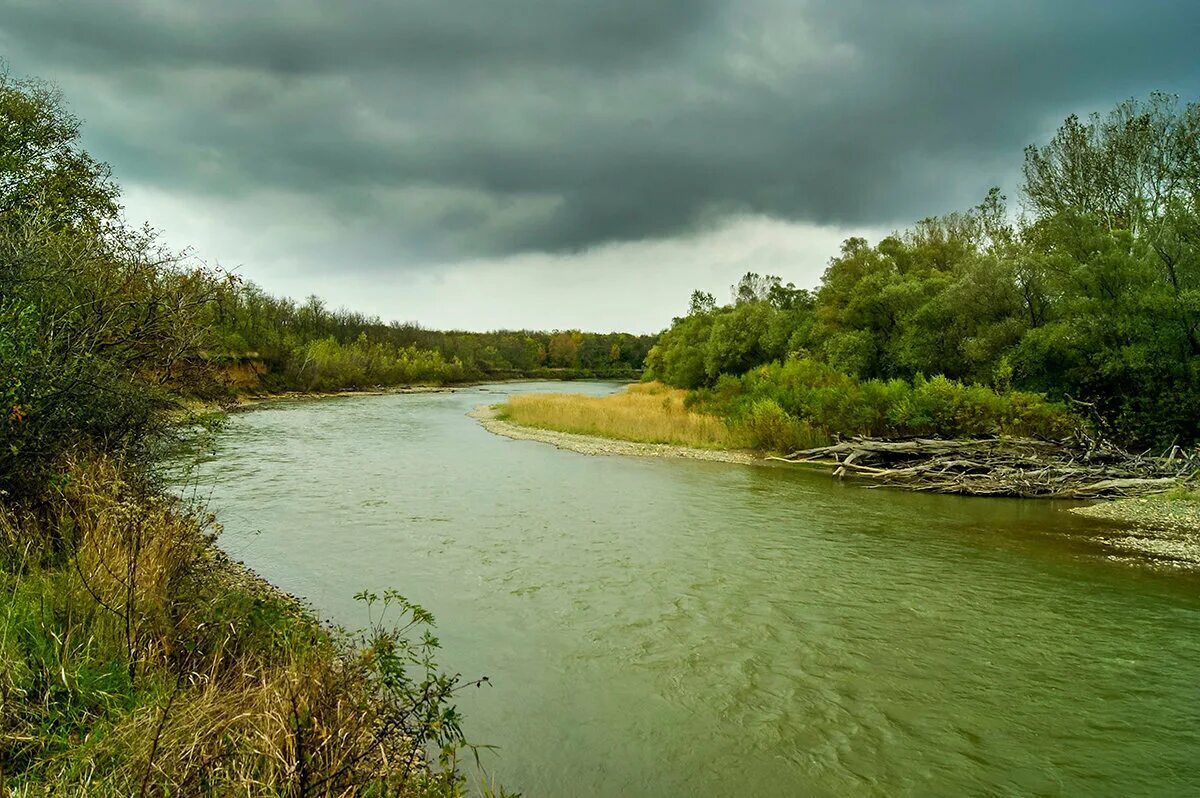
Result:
x=657 y=627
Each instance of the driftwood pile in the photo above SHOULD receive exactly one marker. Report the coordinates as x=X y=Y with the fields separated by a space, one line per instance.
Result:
x=1078 y=469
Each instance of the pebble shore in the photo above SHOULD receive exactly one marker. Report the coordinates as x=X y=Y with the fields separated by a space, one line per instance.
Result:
x=234 y=574
x=1164 y=527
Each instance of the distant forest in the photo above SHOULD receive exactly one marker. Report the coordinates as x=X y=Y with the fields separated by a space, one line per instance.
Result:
x=307 y=346
x=1090 y=296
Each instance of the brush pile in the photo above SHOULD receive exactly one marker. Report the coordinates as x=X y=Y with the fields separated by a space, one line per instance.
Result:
x=1083 y=468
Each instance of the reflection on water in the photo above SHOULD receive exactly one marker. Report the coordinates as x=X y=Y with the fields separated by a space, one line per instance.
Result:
x=664 y=627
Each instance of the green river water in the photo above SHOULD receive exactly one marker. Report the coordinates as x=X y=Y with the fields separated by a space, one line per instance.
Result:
x=659 y=627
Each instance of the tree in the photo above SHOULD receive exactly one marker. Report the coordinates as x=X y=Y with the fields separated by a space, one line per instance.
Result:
x=1095 y=295
x=753 y=287
x=1127 y=169
x=564 y=349
x=98 y=323
x=44 y=173
x=735 y=343
x=702 y=302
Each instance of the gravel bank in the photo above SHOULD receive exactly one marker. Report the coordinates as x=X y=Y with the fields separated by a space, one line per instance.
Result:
x=249 y=401
x=1161 y=527
x=588 y=444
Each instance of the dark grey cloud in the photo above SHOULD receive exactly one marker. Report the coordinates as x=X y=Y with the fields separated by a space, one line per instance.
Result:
x=444 y=128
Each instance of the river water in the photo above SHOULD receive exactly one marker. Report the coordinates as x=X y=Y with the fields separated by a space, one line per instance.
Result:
x=658 y=627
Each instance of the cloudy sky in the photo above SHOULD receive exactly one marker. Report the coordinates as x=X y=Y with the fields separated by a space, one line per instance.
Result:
x=571 y=163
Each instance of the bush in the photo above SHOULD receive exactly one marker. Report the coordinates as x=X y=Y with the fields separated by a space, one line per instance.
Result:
x=802 y=401
x=766 y=427
x=95 y=336
x=135 y=664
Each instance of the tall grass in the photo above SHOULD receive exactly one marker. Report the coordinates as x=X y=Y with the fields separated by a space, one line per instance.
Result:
x=648 y=413
x=133 y=665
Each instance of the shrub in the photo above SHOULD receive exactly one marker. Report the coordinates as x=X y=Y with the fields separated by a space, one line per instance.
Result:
x=767 y=427
x=134 y=664
x=95 y=336
x=778 y=405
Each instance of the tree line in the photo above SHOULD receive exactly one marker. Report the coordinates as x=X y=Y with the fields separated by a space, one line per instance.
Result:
x=308 y=345
x=1089 y=296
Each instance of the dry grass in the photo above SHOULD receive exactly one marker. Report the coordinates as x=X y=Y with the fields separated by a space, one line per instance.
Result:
x=132 y=666
x=646 y=413
x=292 y=728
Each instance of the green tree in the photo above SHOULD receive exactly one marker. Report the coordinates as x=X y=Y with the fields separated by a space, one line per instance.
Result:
x=563 y=350
x=44 y=173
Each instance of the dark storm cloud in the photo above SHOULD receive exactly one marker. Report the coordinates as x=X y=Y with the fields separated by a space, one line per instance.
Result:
x=490 y=126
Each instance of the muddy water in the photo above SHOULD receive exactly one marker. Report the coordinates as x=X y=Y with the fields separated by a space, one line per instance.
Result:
x=664 y=627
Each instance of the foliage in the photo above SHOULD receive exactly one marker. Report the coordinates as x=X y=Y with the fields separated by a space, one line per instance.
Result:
x=1092 y=299
x=326 y=365
x=803 y=402
x=249 y=325
x=96 y=321
x=43 y=171
x=135 y=660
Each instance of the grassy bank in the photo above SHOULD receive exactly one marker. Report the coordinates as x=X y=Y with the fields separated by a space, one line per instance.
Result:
x=933 y=435
x=649 y=413
x=799 y=404
x=139 y=661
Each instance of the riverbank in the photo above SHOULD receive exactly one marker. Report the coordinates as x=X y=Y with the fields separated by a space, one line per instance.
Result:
x=1074 y=466
x=490 y=418
x=1163 y=527
x=139 y=658
x=247 y=400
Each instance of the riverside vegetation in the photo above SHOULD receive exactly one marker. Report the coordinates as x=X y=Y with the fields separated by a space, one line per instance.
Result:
x=1078 y=320
x=137 y=660
x=1090 y=299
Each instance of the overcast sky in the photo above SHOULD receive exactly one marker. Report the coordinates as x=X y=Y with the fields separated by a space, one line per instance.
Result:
x=571 y=163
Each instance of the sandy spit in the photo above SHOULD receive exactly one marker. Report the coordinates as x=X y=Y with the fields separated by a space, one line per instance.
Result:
x=252 y=400
x=488 y=418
